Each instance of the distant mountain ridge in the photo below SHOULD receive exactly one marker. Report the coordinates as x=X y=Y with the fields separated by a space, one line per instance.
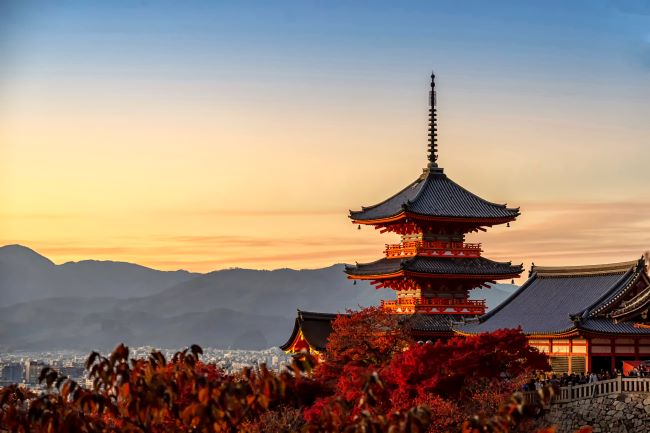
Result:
x=97 y=304
x=26 y=275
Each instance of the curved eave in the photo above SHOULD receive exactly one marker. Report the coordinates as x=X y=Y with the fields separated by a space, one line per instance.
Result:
x=294 y=335
x=403 y=273
x=569 y=332
x=464 y=276
x=591 y=333
x=375 y=276
x=449 y=333
x=634 y=307
x=403 y=215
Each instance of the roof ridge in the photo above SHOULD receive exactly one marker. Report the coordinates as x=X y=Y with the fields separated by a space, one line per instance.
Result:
x=347 y=266
x=585 y=270
x=316 y=314
x=623 y=285
x=503 y=206
x=420 y=179
x=425 y=176
x=509 y=299
x=617 y=287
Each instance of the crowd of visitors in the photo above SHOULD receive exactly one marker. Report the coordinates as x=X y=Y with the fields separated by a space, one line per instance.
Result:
x=540 y=381
x=566 y=379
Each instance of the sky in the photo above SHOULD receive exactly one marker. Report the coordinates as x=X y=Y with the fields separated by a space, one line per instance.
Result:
x=204 y=135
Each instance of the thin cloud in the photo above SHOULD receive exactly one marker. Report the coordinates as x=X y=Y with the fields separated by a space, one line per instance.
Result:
x=575 y=233
x=258 y=213
x=546 y=233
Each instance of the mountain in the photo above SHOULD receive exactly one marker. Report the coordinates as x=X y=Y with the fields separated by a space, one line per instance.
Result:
x=95 y=305
x=26 y=275
x=100 y=324
x=277 y=292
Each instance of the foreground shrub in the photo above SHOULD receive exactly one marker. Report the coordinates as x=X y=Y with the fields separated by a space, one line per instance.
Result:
x=373 y=378
x=157 y=395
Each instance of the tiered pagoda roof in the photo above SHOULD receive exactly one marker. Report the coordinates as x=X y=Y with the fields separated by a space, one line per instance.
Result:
x=432 y=268
x=609 y=299
x=433 y=196
x=441 y=266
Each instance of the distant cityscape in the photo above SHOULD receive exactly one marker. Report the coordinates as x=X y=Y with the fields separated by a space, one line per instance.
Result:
x=24 y=368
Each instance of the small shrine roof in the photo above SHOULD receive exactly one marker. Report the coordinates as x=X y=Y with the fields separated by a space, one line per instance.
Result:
x=478 y=266
x=563 y=299
x=315 y=327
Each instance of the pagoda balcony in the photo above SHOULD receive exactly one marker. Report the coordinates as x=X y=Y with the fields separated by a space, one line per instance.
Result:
x=433 y=249
x=435 y=306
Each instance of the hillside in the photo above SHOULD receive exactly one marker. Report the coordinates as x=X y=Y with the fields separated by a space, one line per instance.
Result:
x=26 y=275
x=94 y=305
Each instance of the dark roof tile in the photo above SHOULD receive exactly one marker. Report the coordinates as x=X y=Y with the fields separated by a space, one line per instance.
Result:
x=316 y=328
x=435 y=265
x=607 y=326
x=545 y=304
x=430 y=322
x=434 y=194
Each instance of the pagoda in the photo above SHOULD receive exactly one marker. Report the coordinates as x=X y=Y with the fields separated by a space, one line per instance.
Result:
x=586 y=318
x=432 y=268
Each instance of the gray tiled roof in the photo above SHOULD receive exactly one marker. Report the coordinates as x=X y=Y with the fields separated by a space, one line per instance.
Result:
x=607 y=326
x=547 y=302
x=434 y=194
x=431 y=322
x=435 y=265
x=316 y=328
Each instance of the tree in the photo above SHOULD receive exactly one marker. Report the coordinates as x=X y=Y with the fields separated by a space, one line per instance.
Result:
x=372 y=379
x=475 y=374
x=369 y=337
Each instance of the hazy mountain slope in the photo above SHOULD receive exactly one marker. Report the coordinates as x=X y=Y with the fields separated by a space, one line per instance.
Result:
x=278 y=292
x=49 y=325
x=26 y=275
x=237 y=307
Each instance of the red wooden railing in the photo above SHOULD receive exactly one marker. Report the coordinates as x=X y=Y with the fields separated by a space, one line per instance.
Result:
x=435 y=306
x=433 y=249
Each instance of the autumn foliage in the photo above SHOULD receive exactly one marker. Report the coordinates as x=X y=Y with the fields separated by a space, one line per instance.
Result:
x=373 y=378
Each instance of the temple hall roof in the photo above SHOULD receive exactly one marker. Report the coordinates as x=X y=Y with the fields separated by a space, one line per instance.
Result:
x=315 y=328
x=435 y=195
x=563 y=299
x=434 y=265
x=429 y=322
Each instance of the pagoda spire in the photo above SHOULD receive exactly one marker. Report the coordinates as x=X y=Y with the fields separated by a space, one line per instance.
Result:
x=433 y=144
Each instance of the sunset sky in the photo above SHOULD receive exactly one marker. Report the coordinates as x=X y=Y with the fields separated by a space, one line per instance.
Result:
x=204 y=135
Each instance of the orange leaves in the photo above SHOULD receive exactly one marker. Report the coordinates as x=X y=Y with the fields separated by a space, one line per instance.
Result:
x=367 y=383
x=369 y=337
x=145 y=395
x=204 y=396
